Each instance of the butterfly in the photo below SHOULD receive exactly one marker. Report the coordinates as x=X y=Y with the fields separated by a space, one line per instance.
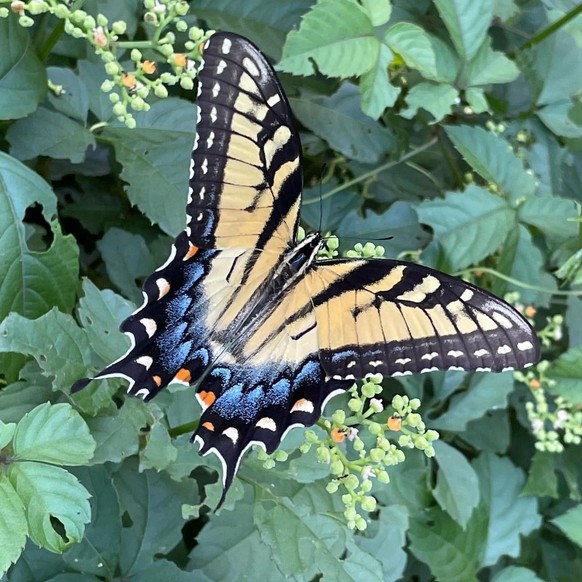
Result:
x=247 y=313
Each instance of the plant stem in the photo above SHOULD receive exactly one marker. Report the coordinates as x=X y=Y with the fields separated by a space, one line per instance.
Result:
x=548 y=31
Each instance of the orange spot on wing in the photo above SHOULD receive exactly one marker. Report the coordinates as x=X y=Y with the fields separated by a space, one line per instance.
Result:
x=207 y=398
x=191 y=252
x=157 y=381
x=183 y=375
x=208 y=426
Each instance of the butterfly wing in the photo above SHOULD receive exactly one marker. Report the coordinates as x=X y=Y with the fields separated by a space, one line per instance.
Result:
x=400 y=318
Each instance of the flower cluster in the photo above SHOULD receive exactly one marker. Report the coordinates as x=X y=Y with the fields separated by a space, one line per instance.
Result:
x=129 y=89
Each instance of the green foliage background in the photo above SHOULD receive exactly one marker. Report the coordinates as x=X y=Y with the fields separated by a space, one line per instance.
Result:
x=454 y=126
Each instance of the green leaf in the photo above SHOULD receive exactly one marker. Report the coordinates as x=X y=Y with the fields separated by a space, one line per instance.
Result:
x=467 y=23
x=51 y=493
x=6 y=433
x=92 y=75
x=73 y=98
x=323 y=212
x=400 y=221
x=117 y=431
x=457 y=486
x=336 y=35
x=252 y=19
x=56 y=136
x=159 y=452
x=492 y=158
x=570 y=523
x=153 y=502
x=13 y=526
x=556 y=117
x=54 y=340
x=489 y=66
x=377 y=91
x=23 y=80
x=100 y=312
x=486 y=391
x=511 y=515
x=468 y=225
x=155 y=159
x=566 y=371
x=339 y=120
x=53 y=433
x=127 y=259
x=385 y=540
x=437 y=99
x=452 y=553
x=554 y=68
x=98 y=552
x=224 y=552
x=32 y=281
x=516 y=574
x=491 y=432
x=552 y=215
x=542 y=480
x=414 y=47
x=379 y=11
x=475 y=97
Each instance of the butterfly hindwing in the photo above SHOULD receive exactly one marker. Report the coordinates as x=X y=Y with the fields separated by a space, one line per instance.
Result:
x=399 y=318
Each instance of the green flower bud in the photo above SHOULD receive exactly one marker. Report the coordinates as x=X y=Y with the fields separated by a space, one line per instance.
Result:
x=369 y=503
x=119 y=109
x=119 y=27
x=383 y=477
x=360 y=523
x=337 y=467
x=339 y=417
x=281 y=456
x=332 y=487
x=181 y=26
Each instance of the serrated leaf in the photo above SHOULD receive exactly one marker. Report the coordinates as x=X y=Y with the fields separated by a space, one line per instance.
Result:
x=491 y=432
x=100 y=312
x=53 y=433
x=31 y=281
x=414 y=47
x=468 y=225
x=492 y=158
x=452 y=553
x=127 y=259
x=436 y=98
x=54 y=340
x=336 y=35
x=489 y=66
x=49 y=492
x=155 y=158
x=377 y=91
x=339 y=120
x=13 y=526
x=511 y=515
x=552 y=215
x=22 y=74
x=486 y=391
x=457 y=486
x=92 y=76
x=467 y=23
x=56 y=136
x=570 y=523
x=475 y=97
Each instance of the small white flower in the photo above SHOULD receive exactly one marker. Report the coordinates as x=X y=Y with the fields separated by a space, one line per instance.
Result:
x=351 y=433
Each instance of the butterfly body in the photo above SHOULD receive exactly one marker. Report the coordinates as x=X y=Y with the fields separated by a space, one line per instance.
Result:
x=264 y=330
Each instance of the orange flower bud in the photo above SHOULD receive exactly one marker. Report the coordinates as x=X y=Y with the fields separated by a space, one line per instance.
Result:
x=149 y=67
x=180 y=60
x=129 y=81
x=99 y=37
x=395 y=422
x=338 y=435
x=530 y=311
x=17 y=7
x=534 y=384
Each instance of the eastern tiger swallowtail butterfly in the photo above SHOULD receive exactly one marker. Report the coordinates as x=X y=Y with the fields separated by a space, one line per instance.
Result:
x=266 y=331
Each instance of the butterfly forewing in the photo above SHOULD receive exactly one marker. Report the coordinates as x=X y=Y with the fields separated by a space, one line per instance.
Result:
x=246 y=178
